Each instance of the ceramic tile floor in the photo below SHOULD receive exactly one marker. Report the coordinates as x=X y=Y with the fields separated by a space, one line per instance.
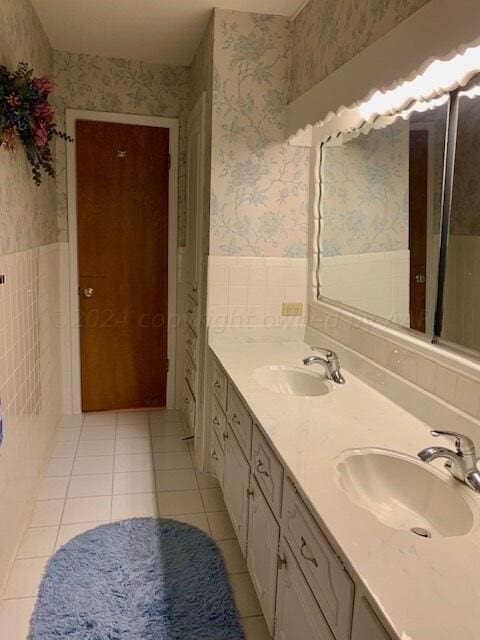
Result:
x=109 y=466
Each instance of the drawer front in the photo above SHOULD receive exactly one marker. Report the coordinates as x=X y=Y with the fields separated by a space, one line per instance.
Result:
x=191 y=312
x=219 y=385
x=189 y=407
x=217 y=459
x=190 y=373
x=268 y=471
x=191 y=344
x=329 y=582
x=219 y=422
x=240 y=421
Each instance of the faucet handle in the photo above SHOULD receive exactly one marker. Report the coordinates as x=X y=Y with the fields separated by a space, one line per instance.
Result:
x=463 y=444
x=328 y=352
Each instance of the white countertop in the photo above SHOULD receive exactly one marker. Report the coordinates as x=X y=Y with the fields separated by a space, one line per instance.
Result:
x=426 y=589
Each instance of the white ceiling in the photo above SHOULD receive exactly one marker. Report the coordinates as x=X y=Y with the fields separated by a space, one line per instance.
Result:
x=161 y=31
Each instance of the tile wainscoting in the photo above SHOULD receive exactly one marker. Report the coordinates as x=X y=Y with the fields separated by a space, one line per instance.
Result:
x=248 y=292
x=377 y=283
x=30 y=383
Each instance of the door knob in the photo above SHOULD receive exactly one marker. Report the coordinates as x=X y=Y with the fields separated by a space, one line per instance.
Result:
x=420 y=278
x=88 y=292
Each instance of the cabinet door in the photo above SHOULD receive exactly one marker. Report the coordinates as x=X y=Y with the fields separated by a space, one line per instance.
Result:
x=236 y=488
x=366 y=625
x=262 y=552
x=298 y=616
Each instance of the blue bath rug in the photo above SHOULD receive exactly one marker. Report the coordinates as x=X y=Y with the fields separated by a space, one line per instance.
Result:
x=138 y=579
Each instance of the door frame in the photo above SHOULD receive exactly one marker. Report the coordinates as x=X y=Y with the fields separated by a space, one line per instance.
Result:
x=72 y=115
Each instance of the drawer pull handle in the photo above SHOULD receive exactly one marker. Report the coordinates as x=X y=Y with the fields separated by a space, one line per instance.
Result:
x=216 y=421
x=214 y=455
x=217 y=385
x=188 y=372
x=311 y=559
x=225 y=435
x=250 y=493
x=235 y=419
x=190 y=312
x=261 y=469
x=186 y=400
x=281 y=561
x=189 y=342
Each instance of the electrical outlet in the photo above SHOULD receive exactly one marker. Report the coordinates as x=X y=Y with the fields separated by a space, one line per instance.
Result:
x=292 y=309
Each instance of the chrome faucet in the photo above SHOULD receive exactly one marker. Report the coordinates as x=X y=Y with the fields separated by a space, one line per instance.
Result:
x=330 y=363
x=462 y=463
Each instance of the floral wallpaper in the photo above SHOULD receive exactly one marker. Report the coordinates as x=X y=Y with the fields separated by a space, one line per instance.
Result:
x=123 y=86
x=27 y=212
x=328 y=33
x=465 y=217
x=365 y=185
x=201 y=80
x=259 y=183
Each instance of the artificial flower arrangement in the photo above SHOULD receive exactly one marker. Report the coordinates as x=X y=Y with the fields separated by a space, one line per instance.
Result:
x=27 y=115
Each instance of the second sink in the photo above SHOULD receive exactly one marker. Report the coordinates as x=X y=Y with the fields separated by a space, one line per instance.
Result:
x=403 y=493
x=292 y=381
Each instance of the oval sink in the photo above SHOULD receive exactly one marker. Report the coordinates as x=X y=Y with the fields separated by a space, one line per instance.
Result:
x=292 y=381
x=404 y=493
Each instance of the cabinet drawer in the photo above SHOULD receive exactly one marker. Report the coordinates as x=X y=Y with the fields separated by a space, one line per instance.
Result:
x=190 y=373
x=219 y=385
x=219 y=422
x=240 y=421
x=191 y=344
x=191 y=312
x=268 y=471
x=328 y=580
x=189 y=406
x=217 y=459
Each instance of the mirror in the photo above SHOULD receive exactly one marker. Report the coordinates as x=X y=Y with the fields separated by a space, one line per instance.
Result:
x=461 y=304
x=380 y=212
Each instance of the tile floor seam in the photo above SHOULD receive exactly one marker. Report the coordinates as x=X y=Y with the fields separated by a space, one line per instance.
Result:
x=68 y=488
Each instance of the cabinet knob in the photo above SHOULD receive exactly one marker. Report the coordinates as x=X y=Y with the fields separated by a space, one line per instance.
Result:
x=214 y=455
x=281 y=561
x=261 y=469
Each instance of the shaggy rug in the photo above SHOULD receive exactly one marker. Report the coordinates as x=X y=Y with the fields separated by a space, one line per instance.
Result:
x=138 y=579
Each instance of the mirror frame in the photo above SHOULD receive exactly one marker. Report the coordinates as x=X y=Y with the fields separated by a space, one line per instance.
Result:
x=352 y=125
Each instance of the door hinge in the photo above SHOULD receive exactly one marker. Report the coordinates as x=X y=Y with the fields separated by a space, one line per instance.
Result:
x=168 y=365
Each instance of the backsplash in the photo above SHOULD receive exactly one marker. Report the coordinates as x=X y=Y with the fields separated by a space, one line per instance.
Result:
x=452 y=379
x=248 y=292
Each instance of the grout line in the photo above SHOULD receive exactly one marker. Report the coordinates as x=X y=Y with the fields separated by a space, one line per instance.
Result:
x=68 y=487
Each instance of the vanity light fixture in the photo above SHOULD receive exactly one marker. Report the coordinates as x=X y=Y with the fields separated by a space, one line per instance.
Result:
x=440 y=77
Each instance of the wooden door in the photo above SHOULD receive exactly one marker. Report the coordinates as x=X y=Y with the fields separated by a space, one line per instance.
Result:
x=262 y=552
x=418 y=198
x=122 y=196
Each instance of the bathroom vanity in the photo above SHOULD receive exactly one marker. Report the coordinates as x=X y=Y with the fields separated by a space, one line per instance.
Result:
x=325 y=490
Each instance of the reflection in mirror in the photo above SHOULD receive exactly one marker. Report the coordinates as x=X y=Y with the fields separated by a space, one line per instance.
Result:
x=380 y=217
x=461 y=308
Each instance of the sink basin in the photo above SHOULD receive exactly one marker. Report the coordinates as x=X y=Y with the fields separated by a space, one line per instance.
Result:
x=292 y=381
x=404 y=493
